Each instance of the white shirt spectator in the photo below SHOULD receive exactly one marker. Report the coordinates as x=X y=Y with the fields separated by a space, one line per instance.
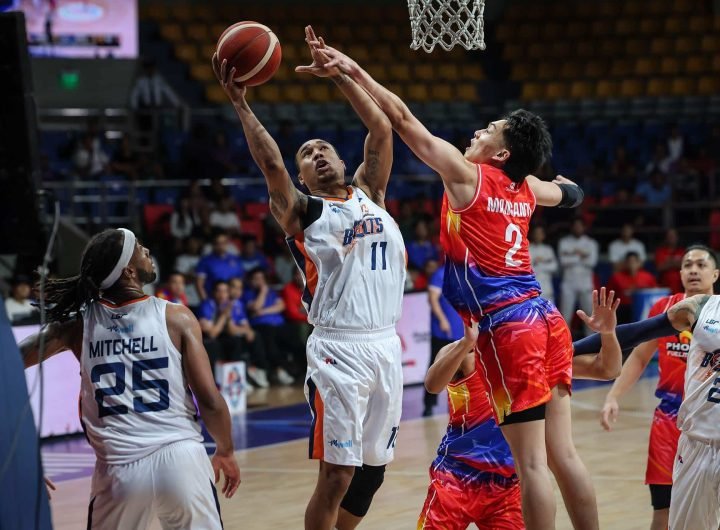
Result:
x=18 y=310
x=228 y=221
x=618 y=249
x=182 y=227
x=675 y=147
x=186 y=264
x=545 y=265
x=151 y=91
x=578 y=257
x=91 y=160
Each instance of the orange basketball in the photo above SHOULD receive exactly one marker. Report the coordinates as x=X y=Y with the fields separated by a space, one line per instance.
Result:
x=252 y=49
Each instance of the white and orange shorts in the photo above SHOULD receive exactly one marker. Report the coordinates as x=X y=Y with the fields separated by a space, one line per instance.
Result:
x=354 y=389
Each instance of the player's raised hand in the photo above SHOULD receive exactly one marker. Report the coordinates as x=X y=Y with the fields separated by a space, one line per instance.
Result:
x=320 y=58
x=235 y=92
x=337 y=58
x=559 y=179
x=604 y=314
x=228 y=465
x=609 y=413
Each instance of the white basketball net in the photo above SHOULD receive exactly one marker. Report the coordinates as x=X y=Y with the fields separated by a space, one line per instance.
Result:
x=447 y=23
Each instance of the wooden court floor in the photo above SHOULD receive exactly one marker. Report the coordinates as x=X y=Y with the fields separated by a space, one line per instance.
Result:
x=278 y=480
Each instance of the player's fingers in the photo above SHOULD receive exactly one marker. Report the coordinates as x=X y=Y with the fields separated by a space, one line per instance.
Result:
x=583 y=316
x=594 y=298
x=610 y=298
x=311 y=33
x=223 y=71
x=616 y=304
x=322 y=41
x=603 y=297
x=216 y=470
x=216 y=64
x=231 y=76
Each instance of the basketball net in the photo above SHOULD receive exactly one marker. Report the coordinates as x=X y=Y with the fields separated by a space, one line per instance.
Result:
x=447 y=23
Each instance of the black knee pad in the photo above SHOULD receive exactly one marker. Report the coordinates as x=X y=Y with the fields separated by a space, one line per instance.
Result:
x=533 y=414
x=365 y=482
x=660 y=496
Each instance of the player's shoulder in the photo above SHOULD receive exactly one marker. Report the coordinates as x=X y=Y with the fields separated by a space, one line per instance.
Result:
x=665 y=303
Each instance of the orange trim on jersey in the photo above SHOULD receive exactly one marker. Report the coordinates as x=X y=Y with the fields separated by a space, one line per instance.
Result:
x=107 y=303
x=478 y=186
x=311 y=272
x=318 y=451
x=350 y=191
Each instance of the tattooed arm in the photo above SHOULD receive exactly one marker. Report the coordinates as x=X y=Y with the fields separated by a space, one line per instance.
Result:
x=287 y=203
x=684 y=314
x=58 y=337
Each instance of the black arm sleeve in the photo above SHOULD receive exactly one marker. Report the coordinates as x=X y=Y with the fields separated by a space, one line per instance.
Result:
x=313 y=212
x=572 y=196
x=629 y=335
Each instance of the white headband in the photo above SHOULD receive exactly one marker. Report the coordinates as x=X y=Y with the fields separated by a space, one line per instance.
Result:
x=125 y=255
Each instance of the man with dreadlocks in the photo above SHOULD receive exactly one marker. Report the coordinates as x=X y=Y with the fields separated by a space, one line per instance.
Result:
x=140 y=357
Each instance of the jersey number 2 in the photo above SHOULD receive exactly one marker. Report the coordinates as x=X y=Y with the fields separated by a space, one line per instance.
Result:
x=513 y=235
x=373 y=257
x=138 y=367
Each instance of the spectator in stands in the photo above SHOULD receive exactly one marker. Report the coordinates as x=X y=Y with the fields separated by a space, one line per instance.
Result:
x=89 y=159
x=225 y=217
x=266 y=309
x=420 y=249
x=216 y=266
x=198 y=204
x=125 y=162
x=214 y=315
x=174 y=290
x=578 y=257
x=285 y=267
x=628 y=279
x=183 y=222
x=223 y=156
x=186 y=263
x=675 y=144
x=656 y=190
x=151 y=91
x=668 y=259
x=251 y=257
x=660 y=161
x=621 y=162
x=295 y=314
x=216 y=192
x=18 y=306
x=239 y=326
x=619 y=248
x=408 y=218
x=544 y=262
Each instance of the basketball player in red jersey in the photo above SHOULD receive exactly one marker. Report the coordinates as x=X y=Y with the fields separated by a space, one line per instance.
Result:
x=698 y=273
x=524 y=346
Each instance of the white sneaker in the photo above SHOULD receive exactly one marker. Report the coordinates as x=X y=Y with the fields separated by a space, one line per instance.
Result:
x=258 y=376
x=283 y=377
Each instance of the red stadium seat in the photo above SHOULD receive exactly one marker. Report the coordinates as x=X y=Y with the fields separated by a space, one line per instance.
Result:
x=255 y=210
x=157 y=219
x=253 y=227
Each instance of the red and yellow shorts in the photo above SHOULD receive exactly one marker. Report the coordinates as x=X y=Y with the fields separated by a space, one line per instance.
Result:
x=664 y=436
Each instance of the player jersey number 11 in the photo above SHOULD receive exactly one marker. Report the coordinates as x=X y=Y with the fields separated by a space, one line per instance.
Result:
x=373 y=257
x=513 y=235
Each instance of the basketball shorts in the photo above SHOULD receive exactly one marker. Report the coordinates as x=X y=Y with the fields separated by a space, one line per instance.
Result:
x=354 y=389
x=454 y=504
x=174 y=484
x=662 y=448
x=695 y=503
x=524 y=350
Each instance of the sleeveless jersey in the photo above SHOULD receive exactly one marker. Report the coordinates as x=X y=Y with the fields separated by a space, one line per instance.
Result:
x=473 y=439
x=672 y=359
x=353 y=261
x=488 y=262
x=699 y=414
x=134 y=398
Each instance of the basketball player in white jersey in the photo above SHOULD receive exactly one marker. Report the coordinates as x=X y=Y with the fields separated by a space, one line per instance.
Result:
x=352 y=256
x=140 y=358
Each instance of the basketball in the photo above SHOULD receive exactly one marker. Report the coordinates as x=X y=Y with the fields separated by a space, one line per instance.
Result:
x=252 y=49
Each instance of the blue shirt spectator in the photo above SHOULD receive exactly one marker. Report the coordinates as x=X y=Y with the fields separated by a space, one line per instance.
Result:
x=656 y=190
x=457 y=328
x=420 y=250
x=219 y=265
x=250 y=257
x=270 y=319
x=263 y=304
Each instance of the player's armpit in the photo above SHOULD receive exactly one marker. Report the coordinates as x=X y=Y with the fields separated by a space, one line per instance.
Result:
x=288 y=206
x=56 y=337
x=684 y=314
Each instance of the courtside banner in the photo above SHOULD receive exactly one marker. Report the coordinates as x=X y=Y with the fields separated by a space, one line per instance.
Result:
x=414 y=331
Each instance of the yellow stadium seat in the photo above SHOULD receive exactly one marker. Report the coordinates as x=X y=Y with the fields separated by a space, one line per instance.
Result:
x=523 y=71
x=206 y=52
x=295 y=53
x=391 y=33
x=531 y=91
x=319 y=92
x=397 y=88
x=467 y=92
x=607 y=88
x=683 y=86
x=551 y=30
x=571 y=70
x=155 y=11
x=448 y=71
x=424 y=72
x=686 y=45
x=611 y=48
x=661 y=46
x=202 y=72
x=596 y=69
x=204 y=13
x=216 y=30
x=646 y=66
x=557 y=90
x=527 y=32
x=294 y=93
x=608 y=9
x=473 y=72
x=186 y=52
x=630 y=88
x=659 y=86
x=602 y=28
x=708 y=85
x=536 y=50
x=441 y=92
x=715 y=64
x=582 y=89
x=341 y=33
x=634 y=8
x=699 y=24
x=650 y=26
x=399 y=72
x=697 y=64
x=171 y=32
x=378 y=71
x=418 y=92
x=286 y=72
x=383 y=52
x=684 y=6
x=556 y=49
x=625 y=26
x=710 y=43
x=359 y=52
x=675 y=25
x=198 y=32
x=505 y=32
x=670 y=65
x=547 y=70
x=513 y=51
x=365 y=33
x=181 y=12
x=636 y=47
x=269 y=93
x=215 y=93
x=621 y=68
x=585 y=48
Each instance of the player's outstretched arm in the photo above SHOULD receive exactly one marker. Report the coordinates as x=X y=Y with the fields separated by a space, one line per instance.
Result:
x=185 y=330
x=458 y=175
x=685 y=313
x=287 y=203
x=449 y=360
x=605 y=364
x=56 y=337
x=373 y=174
x=561 y=192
